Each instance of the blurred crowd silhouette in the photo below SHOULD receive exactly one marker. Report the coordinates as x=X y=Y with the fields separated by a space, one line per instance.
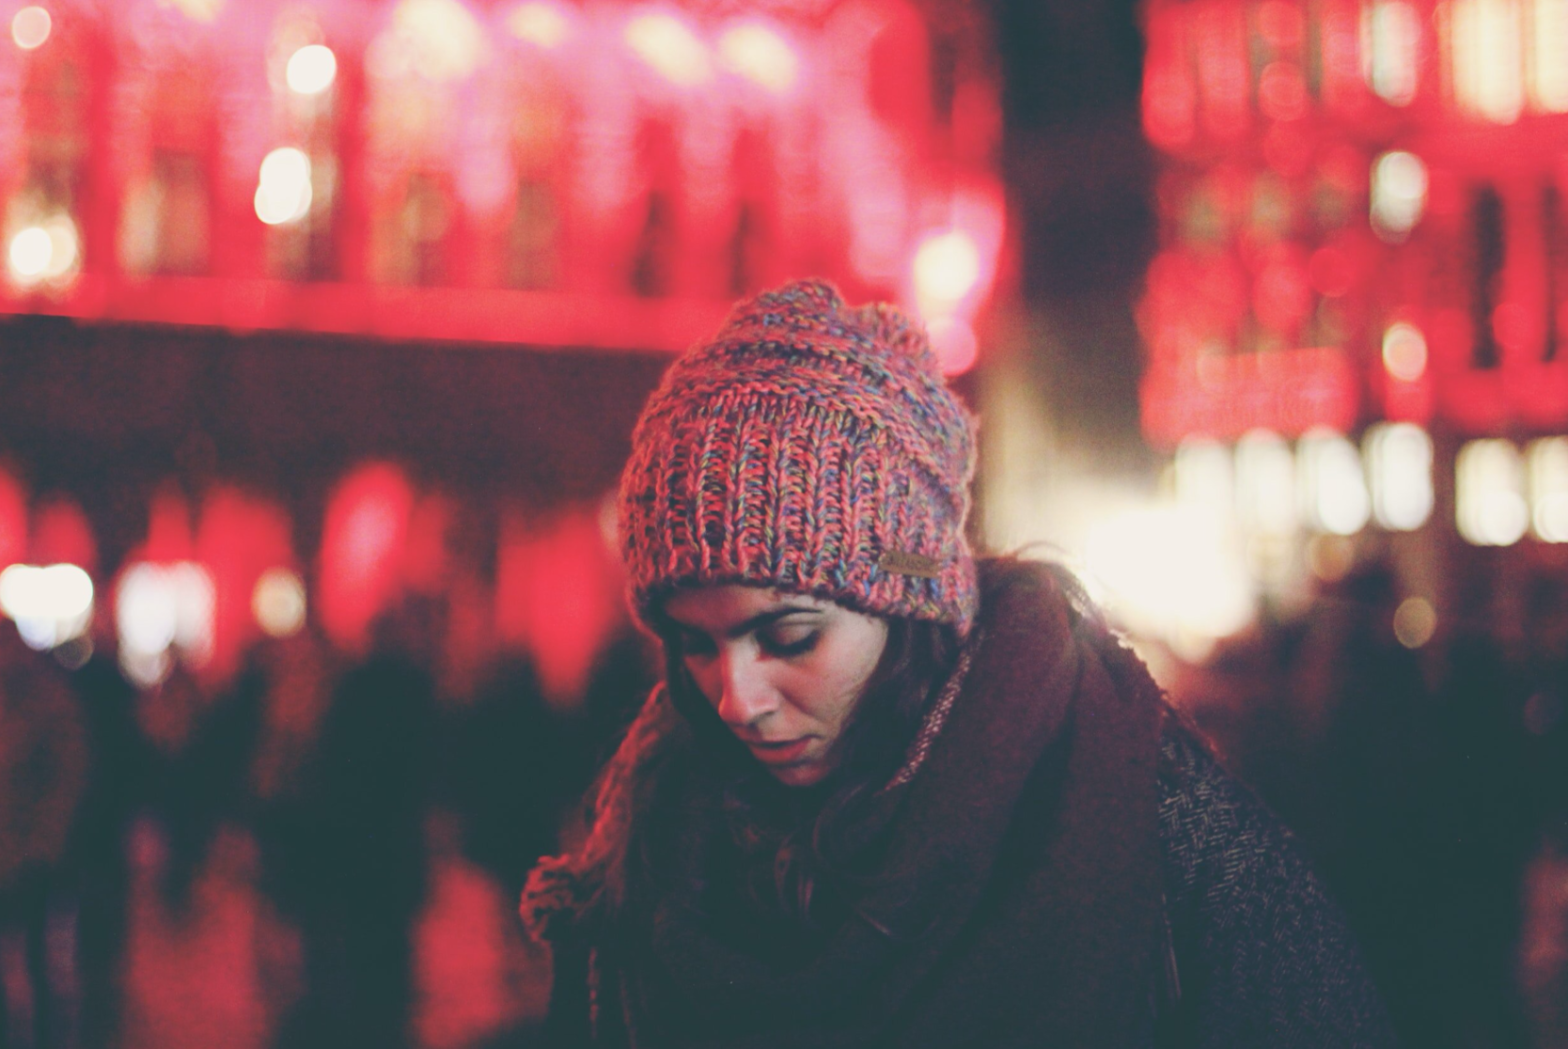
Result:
x=323 y=852
x=1431 y=787
x=327 y=851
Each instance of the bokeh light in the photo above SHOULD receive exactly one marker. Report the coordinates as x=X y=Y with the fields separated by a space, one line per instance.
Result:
x=759 y=54
x=539 y=22
x=1168 y=571
x=50 y=604
x=1392 y=32
x=1415 y=621
x=1549 y=84
x=311 y=69
x=669 y=47
x=30 y=28
x=440 y=40
x=1399 y=473
x=283 y=192
x=1399 y=187
x=160 y=608
x=204 y=11
x=946 y=268
x=1334 y=488
x=48 y=251
x=30 y=253
x=1404 y=352
x=279 y=602
x=1489 y=493
x=1488 y=74
x=1265 y=483
x=1547 y=459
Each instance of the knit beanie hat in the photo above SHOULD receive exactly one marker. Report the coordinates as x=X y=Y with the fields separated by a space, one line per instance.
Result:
x=812 y=447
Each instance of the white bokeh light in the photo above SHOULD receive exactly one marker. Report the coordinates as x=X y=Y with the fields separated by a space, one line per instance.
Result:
x=311 y=69
x=761 y=55
x=1265 y=483
x=668 y=45
x=1399 y=187
x=1404 y=352
x=1399 y=472
x=1334 y=491
x=539 y=22
x=30 y=27
x=1548 y=470
x=1489 y=493
x=946 y=268
x=283 y=191
x=50 y=604
x=30 y=253
x=161 y=608
x=1169 y=570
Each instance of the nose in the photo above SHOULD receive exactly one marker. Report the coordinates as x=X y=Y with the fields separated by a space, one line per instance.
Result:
x=745 y=695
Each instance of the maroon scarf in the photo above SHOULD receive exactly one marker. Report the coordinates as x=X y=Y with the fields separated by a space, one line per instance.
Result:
x=1029 y=913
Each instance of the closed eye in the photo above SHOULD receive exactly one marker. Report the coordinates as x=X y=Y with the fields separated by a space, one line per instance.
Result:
x=784 y=642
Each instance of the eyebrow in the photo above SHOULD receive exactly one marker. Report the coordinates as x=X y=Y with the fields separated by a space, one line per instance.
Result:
x=757 y=621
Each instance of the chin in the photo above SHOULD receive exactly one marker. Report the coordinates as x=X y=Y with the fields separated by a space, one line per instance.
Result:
x=803 y=775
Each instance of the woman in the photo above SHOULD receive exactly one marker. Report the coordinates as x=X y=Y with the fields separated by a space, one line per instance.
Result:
x=887 y=795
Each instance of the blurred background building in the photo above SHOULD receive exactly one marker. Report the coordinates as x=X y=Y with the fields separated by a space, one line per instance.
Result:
x=324 y=324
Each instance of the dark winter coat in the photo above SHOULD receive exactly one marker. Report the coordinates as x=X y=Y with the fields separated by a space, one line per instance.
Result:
x=1262 y=955
x=1074 y=869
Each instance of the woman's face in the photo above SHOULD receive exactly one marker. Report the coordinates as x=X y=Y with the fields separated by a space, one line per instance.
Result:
x=783 y=671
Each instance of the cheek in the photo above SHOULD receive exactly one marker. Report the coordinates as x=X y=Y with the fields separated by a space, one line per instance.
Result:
x=830 y=691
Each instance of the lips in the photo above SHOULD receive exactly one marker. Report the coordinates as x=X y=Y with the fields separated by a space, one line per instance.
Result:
x=782 y=752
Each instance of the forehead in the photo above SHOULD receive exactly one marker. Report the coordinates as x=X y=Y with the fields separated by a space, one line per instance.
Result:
x=717 y=608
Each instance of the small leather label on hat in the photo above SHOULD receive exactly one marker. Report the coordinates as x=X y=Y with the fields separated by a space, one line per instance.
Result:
x=910 y=564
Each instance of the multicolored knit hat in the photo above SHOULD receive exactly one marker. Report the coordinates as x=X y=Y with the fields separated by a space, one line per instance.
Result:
x=811 y=447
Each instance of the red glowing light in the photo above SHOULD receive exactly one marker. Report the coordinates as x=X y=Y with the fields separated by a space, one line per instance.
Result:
x=1280 y=23
x=362 y=549
x=62 y=534
x=1288 y=148
x=428 y=559
x=168 y=529
x=1331 y=272
x=1375 y=213
x=530 y=108
x=1288 y=391
x=13 y=520
x=1282 y=92
x=1515 y=327
x=1449 y=337
x=557 y=595
x=1170 y=94
x=1223 y=76
x=240 y=537
x=1282 y=295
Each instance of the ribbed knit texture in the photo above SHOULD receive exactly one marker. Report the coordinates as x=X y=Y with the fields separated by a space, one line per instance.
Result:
x=809 y=446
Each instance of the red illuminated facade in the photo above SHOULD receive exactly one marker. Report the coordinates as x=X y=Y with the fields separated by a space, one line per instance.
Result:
x=1363 y=215
x=603 y=174
x=231 y=194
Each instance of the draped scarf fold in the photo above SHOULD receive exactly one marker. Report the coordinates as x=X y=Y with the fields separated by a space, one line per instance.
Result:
x=1025 y=906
